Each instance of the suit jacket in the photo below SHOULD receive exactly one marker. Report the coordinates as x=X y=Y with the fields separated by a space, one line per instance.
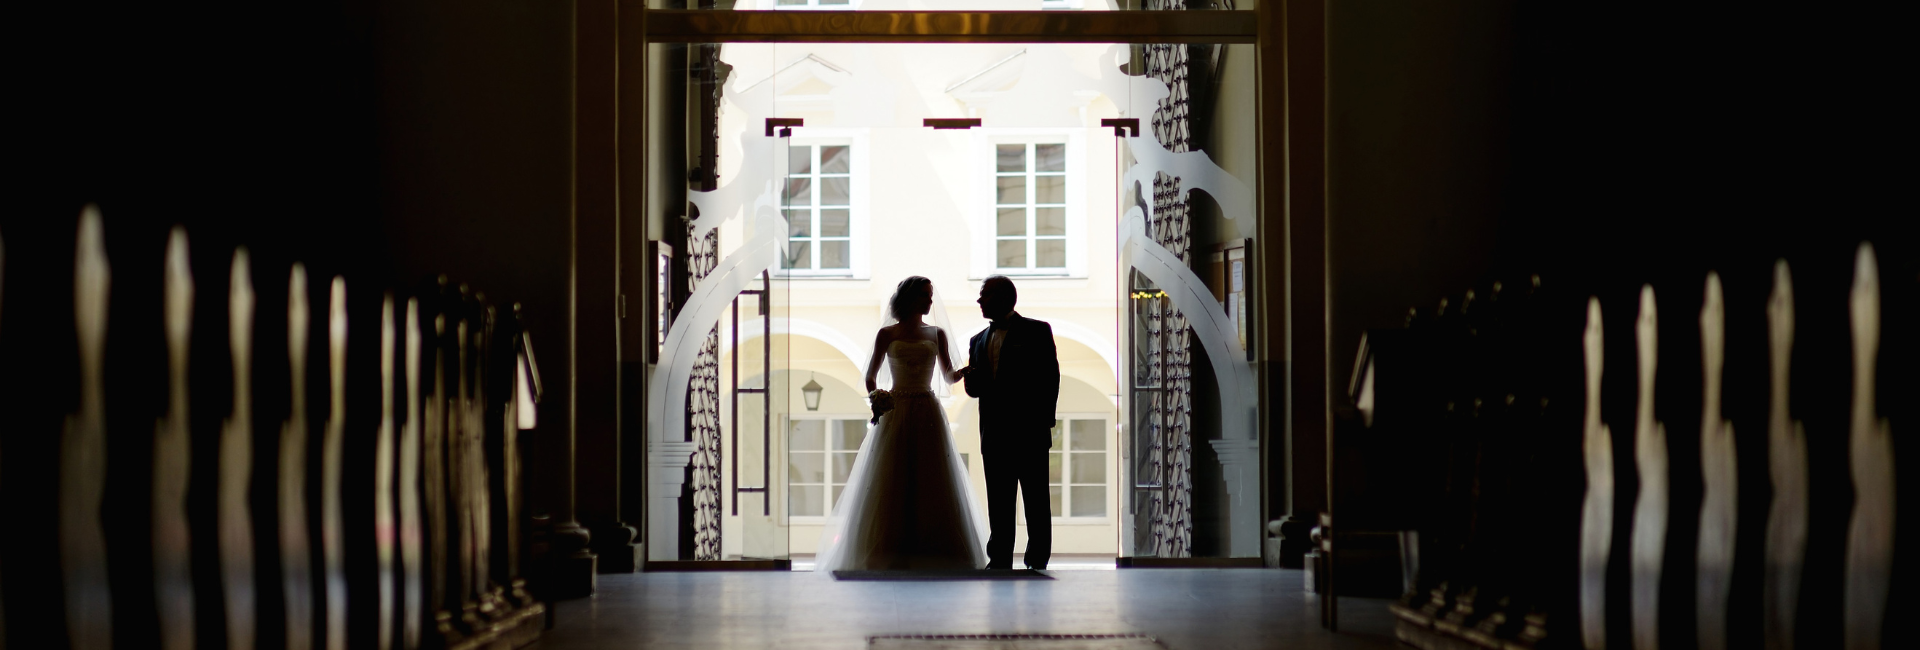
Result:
x=1017 y=401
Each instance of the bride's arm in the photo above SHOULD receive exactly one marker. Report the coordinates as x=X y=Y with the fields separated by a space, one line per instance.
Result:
x=946 y=362
x=880 y=340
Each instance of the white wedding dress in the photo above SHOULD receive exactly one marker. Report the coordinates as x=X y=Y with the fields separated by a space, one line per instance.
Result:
x=906 y=505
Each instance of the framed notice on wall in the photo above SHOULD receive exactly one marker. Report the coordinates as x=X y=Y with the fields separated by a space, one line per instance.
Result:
x=661 y=318
x=1231 y=280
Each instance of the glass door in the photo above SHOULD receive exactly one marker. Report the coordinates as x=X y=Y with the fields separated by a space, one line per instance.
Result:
x=1183 y=214
x=820 y=174
x=955 y=162
x=720 y=392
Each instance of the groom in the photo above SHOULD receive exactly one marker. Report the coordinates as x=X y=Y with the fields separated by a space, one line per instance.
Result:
x=1015 y=373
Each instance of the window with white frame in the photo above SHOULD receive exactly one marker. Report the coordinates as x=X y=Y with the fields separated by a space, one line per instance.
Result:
x=820 y=455
x=1030 y=206
x=1077 y=468
x=819 y=210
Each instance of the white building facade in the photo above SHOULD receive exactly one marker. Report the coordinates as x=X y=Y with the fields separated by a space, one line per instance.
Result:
x=1029 y=194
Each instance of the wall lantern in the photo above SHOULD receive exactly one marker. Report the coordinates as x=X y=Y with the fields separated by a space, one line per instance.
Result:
x=811 y=393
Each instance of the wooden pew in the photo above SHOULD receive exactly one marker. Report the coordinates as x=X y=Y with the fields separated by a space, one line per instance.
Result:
x=1682 y=534
x=391 y=484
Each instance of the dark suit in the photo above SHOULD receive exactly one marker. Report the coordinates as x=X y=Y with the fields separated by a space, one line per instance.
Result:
x=1016 y=425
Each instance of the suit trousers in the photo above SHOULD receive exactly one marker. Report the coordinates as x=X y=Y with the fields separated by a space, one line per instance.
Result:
x=1028 y=471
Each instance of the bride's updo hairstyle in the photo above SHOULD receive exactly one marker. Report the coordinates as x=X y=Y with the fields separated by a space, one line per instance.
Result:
x=906 y=291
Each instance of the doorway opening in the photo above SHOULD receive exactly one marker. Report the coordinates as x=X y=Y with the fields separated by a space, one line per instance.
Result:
x=1111 y=182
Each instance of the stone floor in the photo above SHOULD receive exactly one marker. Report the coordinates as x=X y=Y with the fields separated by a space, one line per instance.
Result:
x=1186 y=609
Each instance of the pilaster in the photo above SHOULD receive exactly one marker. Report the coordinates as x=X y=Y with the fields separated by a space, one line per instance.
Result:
x=666 y=473
x=1240 y=469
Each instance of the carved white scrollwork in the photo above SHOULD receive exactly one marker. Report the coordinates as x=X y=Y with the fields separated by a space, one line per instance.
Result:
x=750 y=196
x=1207 y=319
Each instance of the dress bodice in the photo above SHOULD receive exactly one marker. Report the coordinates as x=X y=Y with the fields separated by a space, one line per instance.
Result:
x=911 y=363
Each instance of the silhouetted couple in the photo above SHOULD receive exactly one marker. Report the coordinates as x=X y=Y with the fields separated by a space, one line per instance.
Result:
x=906 y=504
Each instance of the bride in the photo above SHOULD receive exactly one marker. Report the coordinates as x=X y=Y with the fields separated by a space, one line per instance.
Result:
x=906 y=505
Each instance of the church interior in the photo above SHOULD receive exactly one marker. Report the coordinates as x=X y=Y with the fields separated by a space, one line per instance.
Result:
x=371 y=324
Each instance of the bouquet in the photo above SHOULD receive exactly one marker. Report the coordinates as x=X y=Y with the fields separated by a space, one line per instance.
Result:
x=882 y=402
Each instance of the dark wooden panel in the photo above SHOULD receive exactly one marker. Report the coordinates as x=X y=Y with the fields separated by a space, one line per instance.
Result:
x=1787 y=457
x=296 y=546
x=1720 y=479
x=236 y=536
x=165 y=551
x=413 y=588
x=332 y=444
x=83 y=454
x=1870 y=550
x=1649 y=542
x=172 y=449
x=385 y=530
